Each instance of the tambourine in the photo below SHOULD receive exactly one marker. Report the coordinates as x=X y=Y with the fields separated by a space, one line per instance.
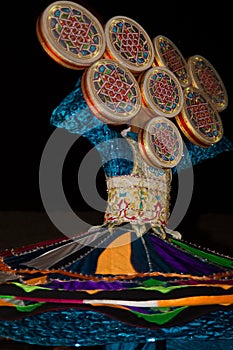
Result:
x=199 y=120
x=111 y=92
x=205 y=77
x=71 y=34
x=167 y=54
x=161 y=91
x=129 y=44
x=160 y=143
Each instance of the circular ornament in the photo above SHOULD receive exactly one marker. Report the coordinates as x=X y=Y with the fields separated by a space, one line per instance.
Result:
x=111 y=92
x=199 y=120
x=205 y=77
x=162 y=94
x=168 y=55
x=70 y=34
x=160 y=143
x=129 y=44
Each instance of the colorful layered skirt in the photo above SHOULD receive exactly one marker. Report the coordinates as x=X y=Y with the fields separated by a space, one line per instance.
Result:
x=111 y=285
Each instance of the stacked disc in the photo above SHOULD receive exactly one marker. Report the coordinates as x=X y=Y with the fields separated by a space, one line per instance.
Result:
x=160 y=142
x=71 y=35
x=129 y=44
x=206 y=78
x=204 y=94
x=199 y=120
x=168 y=55
x=161 y=91
x=111 y=92
x=126 y=74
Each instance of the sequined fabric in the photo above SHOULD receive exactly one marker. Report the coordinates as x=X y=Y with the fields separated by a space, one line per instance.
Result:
x=58 y=328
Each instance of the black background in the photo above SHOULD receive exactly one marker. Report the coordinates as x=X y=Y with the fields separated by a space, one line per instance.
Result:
x=33 y=85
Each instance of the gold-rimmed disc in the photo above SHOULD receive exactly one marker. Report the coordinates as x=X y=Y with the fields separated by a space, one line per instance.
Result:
x=199 y=120
x=167 y=54
x=111 y=92
x=162 y=94
x=129 y=44
x=205 y=77
x=160 y=143
x=71 y=34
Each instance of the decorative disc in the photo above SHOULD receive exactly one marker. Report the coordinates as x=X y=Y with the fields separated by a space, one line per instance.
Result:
x=162 y=94
x=129 y=44
x=111 y=92
x=71 y=35
x=206 y=78
x=160 y=143
x=199 y=120
x=168 y=55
